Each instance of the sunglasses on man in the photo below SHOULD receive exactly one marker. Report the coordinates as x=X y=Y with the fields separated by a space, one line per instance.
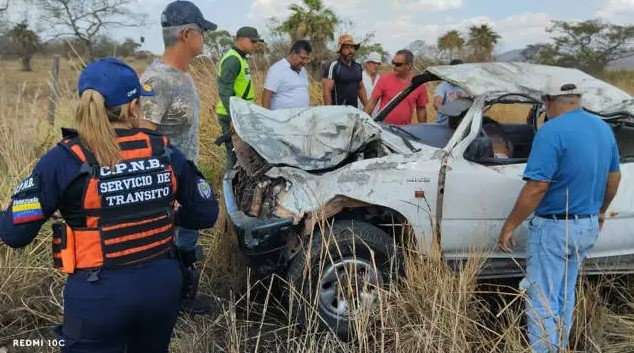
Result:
x=397 y=64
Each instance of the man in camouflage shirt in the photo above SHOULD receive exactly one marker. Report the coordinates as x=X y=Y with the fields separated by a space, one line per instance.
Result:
x=175 y=107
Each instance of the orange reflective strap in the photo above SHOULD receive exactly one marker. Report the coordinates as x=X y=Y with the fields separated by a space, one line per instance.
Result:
x=79 y=152
x=140 y=248
x=92 y=221
x=132 y=224
x=135 y=236
x=92 y=199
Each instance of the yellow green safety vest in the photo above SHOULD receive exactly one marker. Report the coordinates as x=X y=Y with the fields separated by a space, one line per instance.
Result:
x=242 y=86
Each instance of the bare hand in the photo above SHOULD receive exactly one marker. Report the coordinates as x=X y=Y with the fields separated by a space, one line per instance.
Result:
x=601 y=221
x=506 y=242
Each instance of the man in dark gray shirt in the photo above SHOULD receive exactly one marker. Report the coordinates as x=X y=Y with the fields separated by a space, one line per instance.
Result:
x=342 y=80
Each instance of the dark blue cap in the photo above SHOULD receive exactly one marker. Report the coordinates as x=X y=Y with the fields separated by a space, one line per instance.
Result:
x=117 y=82
x=180 y=13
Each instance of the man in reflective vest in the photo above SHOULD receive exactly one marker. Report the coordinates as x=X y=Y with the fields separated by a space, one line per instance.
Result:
x=234 y=79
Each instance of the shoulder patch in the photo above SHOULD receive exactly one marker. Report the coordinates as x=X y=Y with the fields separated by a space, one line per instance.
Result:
x=27 y=210
x=204 y=189
x=30 y=184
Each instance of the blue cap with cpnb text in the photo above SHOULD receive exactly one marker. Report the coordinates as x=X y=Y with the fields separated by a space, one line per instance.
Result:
x=179 y=13
x=117 y=82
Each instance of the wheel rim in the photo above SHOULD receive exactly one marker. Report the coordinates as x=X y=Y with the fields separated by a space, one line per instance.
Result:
x=348 y=286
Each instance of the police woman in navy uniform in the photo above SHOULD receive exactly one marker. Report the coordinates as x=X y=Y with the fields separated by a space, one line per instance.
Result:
x=116 y=187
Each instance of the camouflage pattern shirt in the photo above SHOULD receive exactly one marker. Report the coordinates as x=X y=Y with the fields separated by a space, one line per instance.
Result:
x=175 y=107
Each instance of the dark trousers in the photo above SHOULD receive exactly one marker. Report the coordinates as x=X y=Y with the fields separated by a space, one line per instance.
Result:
x=125 y=311
x=230 y=161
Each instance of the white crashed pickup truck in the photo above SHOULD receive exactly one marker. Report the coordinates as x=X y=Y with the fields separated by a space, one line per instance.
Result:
x=308 y=176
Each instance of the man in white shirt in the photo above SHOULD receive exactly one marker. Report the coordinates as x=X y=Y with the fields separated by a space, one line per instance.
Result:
x=286 y=84
x=370 y=75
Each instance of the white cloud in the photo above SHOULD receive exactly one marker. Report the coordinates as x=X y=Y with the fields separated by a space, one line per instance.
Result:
x=261 y=9
x=516 y=31
x=620 y=11
x=429 y=5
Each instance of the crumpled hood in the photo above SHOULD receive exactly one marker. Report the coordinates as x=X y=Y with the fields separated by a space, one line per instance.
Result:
x=308 y=138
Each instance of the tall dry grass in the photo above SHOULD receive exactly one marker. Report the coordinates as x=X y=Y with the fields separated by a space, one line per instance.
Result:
x=432 y=309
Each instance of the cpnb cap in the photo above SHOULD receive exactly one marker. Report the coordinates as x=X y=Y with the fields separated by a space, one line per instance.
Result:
x=117 y=82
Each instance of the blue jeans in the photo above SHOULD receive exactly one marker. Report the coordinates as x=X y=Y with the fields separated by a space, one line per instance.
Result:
x=186 y=238
x=555 y=250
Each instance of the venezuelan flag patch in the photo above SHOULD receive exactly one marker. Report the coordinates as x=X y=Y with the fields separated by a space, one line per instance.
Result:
x=27 y=210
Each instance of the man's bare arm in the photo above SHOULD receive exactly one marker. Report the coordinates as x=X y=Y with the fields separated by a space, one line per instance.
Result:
x=363 y=94
x=438 y=102
x=146 y=124
x=369 y=108
x=266 y=98
x=327 y=87
x=528 y=200
x=421 y=114
x=614 y=179
x=530 y=196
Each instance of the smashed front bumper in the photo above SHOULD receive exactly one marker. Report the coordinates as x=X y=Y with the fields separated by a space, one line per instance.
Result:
x=263 y=242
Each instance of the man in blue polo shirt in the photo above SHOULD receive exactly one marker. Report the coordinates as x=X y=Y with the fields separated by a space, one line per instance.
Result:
x=571 y=176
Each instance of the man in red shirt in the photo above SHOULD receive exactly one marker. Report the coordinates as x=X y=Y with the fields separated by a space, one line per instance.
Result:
x=391 y=84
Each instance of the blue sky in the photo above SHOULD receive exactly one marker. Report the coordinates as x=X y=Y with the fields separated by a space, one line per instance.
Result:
x=399 y=22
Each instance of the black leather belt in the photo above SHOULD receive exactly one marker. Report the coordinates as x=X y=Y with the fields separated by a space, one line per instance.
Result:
x=564 y=216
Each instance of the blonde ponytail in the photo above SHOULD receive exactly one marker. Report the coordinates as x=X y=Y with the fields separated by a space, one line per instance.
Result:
x=95 y=130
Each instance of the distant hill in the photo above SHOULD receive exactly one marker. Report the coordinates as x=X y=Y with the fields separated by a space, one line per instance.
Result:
x=512 y=55
x=516 y=55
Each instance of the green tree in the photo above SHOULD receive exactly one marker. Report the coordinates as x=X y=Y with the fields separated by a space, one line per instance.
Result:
x=24 y=43
x=589 y=45
x=218 y=42
x=314 y=21
x=452 y=44
x=368 y=45
x=481 y=42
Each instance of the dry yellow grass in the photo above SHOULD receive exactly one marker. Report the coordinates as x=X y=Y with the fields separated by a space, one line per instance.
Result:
x=432 y=310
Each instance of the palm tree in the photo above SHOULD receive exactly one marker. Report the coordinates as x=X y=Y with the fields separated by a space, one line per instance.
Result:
x=25 y=43
x=482 y=41
x=314 y=21
x=451 y=42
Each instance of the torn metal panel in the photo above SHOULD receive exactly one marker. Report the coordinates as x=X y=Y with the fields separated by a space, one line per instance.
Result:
x=308 y=138
x=394 y=181
x=493 y=80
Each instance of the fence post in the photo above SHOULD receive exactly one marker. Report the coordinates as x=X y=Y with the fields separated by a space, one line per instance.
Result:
x=52 y=104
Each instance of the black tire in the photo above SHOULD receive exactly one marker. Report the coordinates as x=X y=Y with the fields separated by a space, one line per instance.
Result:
x=351 y=247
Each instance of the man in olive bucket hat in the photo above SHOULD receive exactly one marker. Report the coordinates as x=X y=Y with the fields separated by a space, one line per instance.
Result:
x=342 y=78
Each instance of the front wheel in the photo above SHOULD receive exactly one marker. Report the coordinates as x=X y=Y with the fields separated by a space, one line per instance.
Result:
x=342 y=273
